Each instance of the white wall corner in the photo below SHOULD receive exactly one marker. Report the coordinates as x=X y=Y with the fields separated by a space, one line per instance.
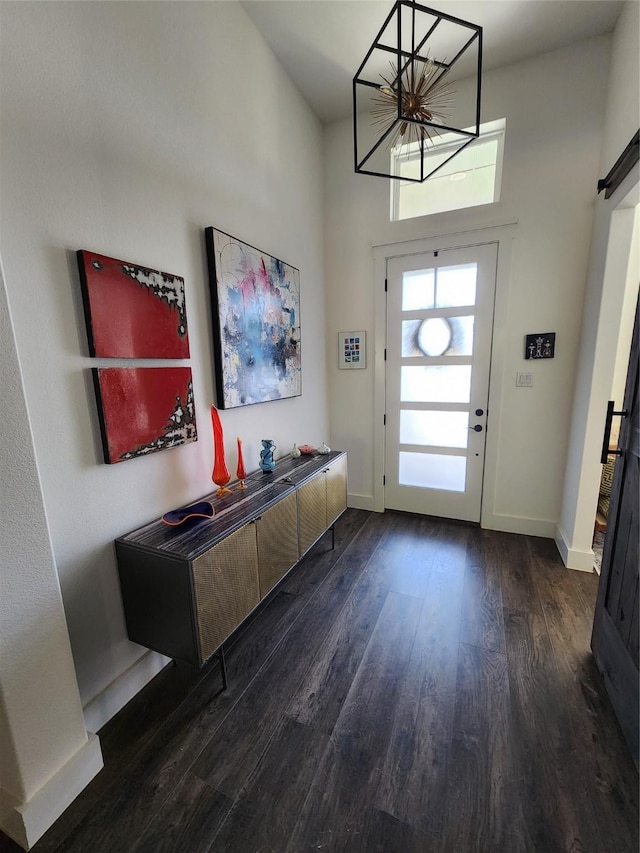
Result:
x=26 y=822
x=47 y=758
x=581 y=561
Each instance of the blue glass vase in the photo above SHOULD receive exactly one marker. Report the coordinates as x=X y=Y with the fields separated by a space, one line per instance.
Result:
x=267 y=462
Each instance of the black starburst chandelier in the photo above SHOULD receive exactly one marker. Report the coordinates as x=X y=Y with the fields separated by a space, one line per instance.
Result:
x=407 y=120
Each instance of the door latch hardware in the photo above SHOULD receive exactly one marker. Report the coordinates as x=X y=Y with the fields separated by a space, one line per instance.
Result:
x=607 y=432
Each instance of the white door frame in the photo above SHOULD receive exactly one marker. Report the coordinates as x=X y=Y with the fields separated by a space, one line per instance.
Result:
x=503 y=235
x=613 y=269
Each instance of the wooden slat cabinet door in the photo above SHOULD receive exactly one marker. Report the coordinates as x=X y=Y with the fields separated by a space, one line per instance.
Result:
x=321 y=501
x=336 y=480
x=226 y=587
x=312 y=511
x=277 y=530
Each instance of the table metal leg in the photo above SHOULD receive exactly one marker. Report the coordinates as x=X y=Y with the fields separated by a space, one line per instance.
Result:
x=223 y=667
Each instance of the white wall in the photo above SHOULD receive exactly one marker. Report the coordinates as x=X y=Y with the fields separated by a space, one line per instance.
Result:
x=554 y=107
x=613 y=270
x=623 y=87
x=127 y=128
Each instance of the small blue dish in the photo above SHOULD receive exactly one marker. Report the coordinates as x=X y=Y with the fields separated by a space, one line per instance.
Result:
x=188 y=514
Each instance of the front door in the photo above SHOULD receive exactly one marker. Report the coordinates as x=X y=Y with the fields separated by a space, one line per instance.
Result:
x=615 y=626
x=439 y=330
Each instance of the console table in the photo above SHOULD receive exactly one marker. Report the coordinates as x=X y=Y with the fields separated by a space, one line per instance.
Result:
x=186 y=589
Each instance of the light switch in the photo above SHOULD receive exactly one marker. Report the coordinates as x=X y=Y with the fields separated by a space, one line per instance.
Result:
x=524 y=380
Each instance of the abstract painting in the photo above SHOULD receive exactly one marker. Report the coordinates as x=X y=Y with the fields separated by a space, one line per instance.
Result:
x=255 y=302
x=132 y=311
x=144 y=409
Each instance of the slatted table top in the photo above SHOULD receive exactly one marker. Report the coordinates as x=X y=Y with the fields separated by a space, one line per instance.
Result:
x=231 y=511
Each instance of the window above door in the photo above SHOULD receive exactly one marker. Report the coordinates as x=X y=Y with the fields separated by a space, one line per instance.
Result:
x=471 y=178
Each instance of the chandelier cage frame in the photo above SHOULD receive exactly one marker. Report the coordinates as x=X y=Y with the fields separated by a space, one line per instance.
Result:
x=407 y=58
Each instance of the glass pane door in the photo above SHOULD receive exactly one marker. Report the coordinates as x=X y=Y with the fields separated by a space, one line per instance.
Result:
x=439 y=324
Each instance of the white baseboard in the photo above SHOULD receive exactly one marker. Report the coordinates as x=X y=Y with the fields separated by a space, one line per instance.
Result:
x=491 y=521
x=26 y=822
x=517 y=524
x=581 y=561
x=116 y=695
x=361 y=502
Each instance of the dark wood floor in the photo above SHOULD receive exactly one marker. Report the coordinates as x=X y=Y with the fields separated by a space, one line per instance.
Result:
x=426 y=686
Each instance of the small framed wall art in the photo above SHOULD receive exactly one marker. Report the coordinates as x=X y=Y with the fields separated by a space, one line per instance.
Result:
x=540 y=345
x=255 y=306
x=352 y=350
x=132 y=311
x=143 y=410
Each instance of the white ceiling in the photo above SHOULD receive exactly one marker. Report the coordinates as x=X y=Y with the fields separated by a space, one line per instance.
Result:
x=321 y=43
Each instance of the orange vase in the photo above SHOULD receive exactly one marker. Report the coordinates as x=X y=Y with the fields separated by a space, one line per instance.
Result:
x=220 y=475
x=241 y=472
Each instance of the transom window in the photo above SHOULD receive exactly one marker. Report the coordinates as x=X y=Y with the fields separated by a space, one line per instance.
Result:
x=470 y=178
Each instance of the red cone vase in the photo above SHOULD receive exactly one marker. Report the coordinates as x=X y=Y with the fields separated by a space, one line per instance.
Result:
x=220 y=475
x=241 y=471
